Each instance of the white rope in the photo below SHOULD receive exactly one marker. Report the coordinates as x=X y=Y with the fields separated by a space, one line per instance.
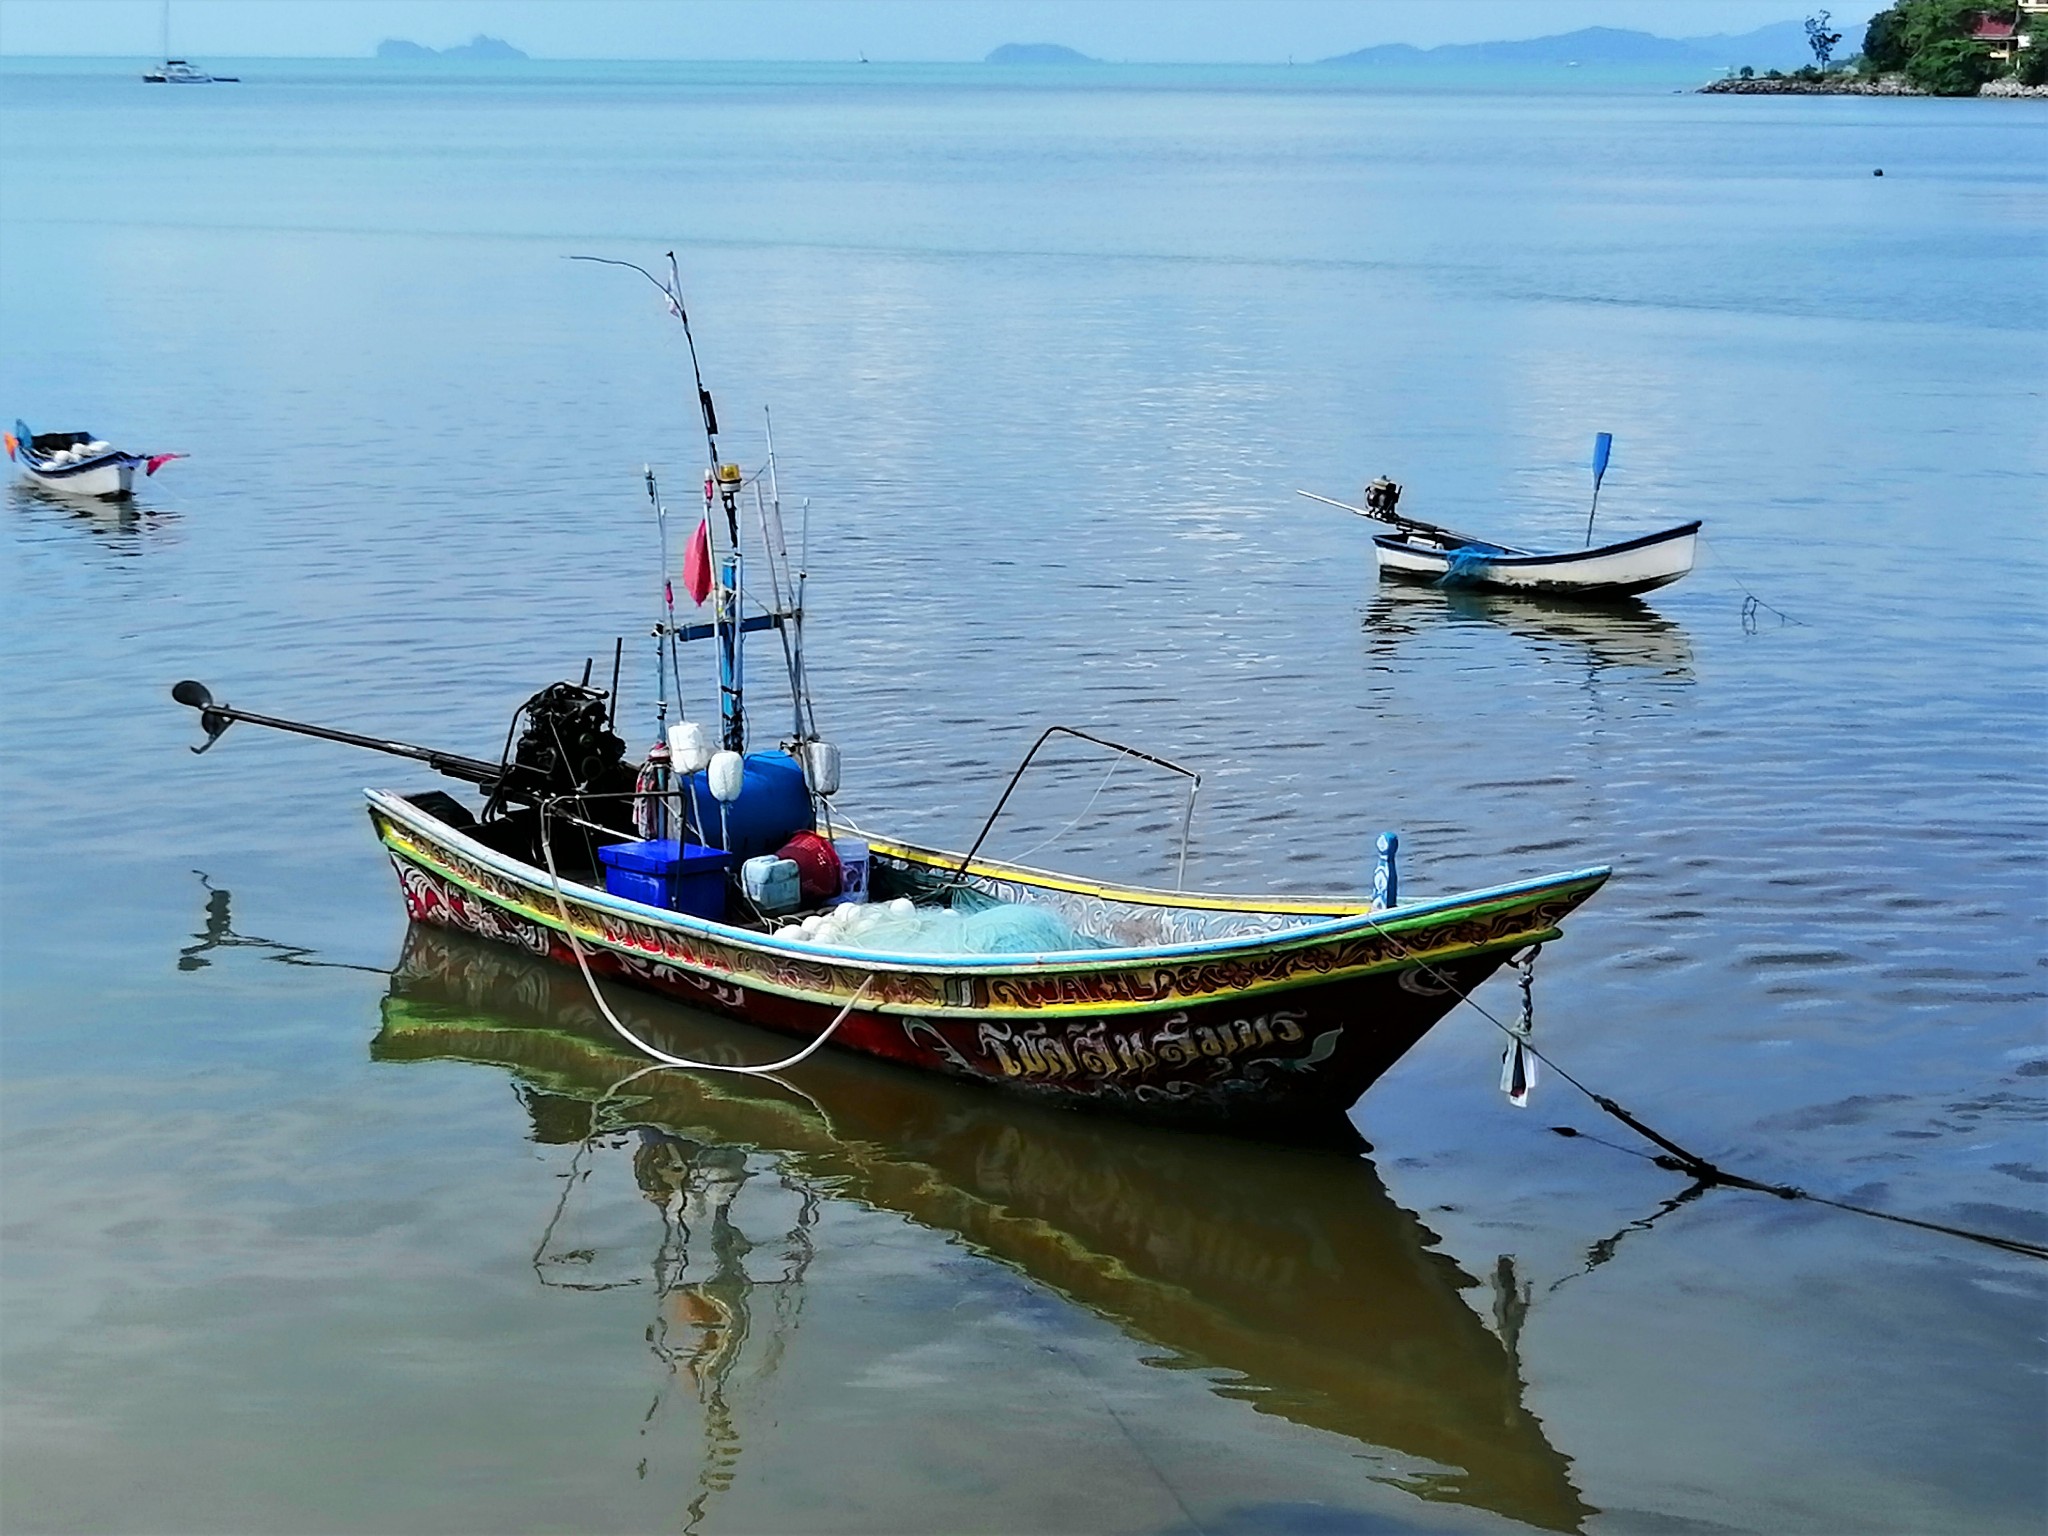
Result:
x=1114 y=764
x=547 y=845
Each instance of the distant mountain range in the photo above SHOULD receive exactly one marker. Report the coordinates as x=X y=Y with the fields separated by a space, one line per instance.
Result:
x=477 y=48
x=1036 y=53
x=1782 y=45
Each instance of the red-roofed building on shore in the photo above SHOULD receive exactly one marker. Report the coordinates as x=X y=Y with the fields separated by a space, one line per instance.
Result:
x=2005 y=32
x=2000 y=35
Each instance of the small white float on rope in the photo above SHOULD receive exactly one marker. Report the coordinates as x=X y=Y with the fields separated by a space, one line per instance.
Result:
x=725 y=775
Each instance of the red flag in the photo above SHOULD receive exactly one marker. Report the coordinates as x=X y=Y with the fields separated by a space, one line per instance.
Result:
x=697 y=563
x=13 y=443
x=158 y=460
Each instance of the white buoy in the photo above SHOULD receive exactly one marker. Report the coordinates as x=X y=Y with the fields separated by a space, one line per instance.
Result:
x=727 y=770
x=690 y=746
x=724 y=775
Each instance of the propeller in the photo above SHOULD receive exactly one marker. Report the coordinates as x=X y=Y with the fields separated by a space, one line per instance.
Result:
x=198 y=696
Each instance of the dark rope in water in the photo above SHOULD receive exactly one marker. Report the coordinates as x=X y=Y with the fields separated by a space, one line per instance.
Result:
x=1703 y=1170
x=1751 y=603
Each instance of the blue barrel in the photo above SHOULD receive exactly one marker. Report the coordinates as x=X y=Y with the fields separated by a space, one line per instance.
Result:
x=774 y=805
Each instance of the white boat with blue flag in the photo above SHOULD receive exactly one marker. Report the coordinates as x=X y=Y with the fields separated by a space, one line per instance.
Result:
x=1419 y=551
x=1627 y=569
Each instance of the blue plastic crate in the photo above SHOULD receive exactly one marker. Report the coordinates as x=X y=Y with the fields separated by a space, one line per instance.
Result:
x=680 y=877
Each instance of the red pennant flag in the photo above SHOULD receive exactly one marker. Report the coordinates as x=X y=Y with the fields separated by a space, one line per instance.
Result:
x=158 y=460
x=697 y=563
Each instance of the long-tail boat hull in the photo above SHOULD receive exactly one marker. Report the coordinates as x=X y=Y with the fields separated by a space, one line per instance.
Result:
x=1261 y=1016
x=1626 y=569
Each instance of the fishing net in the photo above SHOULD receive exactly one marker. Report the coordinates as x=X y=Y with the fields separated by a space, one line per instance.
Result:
x=1468 y=563
x=898 y=927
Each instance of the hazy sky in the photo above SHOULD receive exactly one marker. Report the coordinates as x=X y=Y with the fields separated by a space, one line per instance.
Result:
x=1190 y=31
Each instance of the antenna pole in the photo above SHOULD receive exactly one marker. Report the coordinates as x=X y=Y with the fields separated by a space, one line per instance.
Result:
x=665 y=616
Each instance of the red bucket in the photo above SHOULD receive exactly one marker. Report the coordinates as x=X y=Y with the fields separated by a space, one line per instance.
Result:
x=817 y=865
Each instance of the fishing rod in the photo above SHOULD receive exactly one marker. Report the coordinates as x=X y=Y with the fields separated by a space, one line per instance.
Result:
x=667 y=660
x=672 y=290
x=722 y=483
x=803 y=715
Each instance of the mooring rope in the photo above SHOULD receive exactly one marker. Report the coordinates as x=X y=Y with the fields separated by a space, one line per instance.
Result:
x=547 y=847
x=1678 y=1158
x=1750 y=601
x=1681 y=1160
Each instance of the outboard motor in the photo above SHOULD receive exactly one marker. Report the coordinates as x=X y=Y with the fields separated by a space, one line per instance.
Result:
x=568 y=744
x=567 y=749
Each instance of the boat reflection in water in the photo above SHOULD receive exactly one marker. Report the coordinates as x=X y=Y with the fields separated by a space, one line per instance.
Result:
x=124 y=527
x=1623 y=633
x=1294 y=1270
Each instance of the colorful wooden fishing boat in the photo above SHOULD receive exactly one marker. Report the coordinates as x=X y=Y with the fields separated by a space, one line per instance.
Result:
x=79 y=464
x=1264 y=1015
x=726 y=878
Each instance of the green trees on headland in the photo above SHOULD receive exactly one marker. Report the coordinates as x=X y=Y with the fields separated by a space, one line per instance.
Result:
x=1920 y=47
x=1935 y=44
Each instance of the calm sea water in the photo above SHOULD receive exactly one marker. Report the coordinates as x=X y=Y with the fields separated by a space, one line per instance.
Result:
x=305 y=1227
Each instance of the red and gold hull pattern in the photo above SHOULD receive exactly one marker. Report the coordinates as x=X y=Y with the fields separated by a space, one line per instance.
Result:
x=1275 y=1031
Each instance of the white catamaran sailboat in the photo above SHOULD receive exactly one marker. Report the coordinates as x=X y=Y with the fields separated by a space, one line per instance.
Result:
x=178 y=71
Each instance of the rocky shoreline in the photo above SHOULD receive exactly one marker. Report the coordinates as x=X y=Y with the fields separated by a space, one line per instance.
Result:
x=1853 y=85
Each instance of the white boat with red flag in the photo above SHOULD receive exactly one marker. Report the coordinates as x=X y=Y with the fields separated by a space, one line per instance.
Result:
x=79 y=464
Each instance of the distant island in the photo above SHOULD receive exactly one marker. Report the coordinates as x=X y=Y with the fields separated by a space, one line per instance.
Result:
x=1914 y=48
x=478 y=47
x=1037 y=53
x=1781 y=44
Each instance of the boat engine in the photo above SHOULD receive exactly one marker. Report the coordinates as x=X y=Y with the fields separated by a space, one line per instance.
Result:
x=1381 y=497
x=568 y=744
x=567 y=749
